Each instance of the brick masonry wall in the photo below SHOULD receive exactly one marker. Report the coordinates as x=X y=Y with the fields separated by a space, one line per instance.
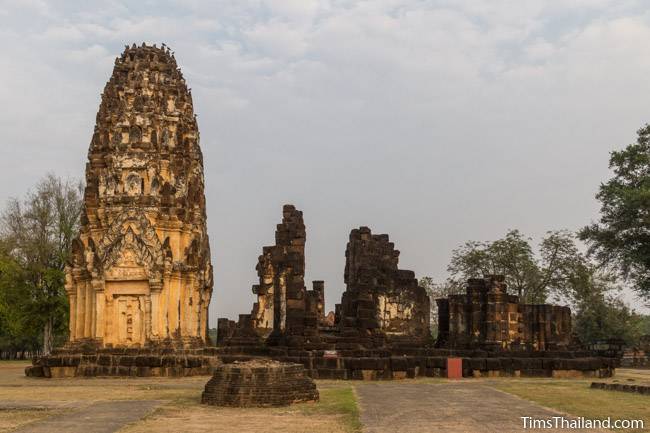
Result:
x=377 y=364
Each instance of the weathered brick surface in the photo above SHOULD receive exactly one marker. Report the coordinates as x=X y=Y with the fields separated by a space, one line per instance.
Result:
x=259 y=383
x=639 y=389
x=487 y=317
x=286 y=313
x=380 y=298
x=124 y=362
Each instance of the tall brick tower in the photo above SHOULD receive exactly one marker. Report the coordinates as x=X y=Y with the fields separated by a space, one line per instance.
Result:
x=140 y=272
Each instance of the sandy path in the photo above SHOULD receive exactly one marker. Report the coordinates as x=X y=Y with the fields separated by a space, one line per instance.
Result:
x=100 y=417
x=447 y=407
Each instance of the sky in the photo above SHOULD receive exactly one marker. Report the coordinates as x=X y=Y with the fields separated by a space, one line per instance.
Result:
x=434 y=121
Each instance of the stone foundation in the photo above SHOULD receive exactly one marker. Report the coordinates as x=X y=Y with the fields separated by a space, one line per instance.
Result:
x=411 y=363
x=380 y=364
x=259 y=383
x=125 y=362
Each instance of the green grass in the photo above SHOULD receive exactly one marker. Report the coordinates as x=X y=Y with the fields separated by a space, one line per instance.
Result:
x=574 y=397
x=340 y=400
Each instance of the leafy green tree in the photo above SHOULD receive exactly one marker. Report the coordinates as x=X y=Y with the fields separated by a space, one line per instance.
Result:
x=645 y=324
x=37 y=233
x=15 y=333
x=436 y=291
x=604 y=316
x=599 y=312
x=532 y=277
x=621 y=238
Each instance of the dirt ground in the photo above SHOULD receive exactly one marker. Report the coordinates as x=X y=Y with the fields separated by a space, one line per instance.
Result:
x=450 y=407
x=12 y=418
x=138 y=405
x=24 y=401
x=199 y=419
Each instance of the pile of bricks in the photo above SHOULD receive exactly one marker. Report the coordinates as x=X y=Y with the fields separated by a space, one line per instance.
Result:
x=259 y=383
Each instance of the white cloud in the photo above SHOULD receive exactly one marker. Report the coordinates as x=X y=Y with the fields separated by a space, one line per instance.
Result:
x=277 y=39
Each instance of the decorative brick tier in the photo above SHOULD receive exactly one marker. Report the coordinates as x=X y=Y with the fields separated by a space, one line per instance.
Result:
x=259 y=383
x=639 y=389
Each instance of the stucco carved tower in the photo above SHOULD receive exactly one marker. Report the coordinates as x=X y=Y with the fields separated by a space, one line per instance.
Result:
x=140 y=271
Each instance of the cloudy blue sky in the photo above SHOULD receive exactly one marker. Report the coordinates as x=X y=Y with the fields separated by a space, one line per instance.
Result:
x=434 y=121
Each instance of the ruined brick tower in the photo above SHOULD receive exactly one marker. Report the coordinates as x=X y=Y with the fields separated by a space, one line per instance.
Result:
x=286 y=313
x=140 y=272
x=381 y=300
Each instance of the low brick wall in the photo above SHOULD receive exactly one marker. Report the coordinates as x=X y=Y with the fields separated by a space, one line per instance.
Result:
x=639 y=389
x=380 y=364
x=386 y=365
x=259 y=383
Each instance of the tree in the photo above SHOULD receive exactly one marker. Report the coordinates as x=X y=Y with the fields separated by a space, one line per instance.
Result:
x=212 y=335
x=621 y=238
x=37 y=233
x=436 y=291
x=532 y=277
x=15 y=333
x=599 y=312
x=604 y=316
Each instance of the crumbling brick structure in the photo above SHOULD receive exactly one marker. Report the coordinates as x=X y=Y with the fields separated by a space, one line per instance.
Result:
x=382 y=304
x=286 y=313
x=486 y=316
x=381 y=300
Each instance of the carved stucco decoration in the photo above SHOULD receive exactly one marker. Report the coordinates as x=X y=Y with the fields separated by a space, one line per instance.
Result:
x=133 y=231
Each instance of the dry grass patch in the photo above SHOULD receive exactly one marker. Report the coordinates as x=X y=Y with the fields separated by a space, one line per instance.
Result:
x=14 y=418
x=631 y=376
x=337 y=399
x=95 y=389
x=15 y=386
x=574 y=397
x=199 y=419
x=337 y=412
